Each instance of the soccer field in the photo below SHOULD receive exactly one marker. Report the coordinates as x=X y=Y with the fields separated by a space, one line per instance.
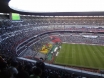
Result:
x=90 y=56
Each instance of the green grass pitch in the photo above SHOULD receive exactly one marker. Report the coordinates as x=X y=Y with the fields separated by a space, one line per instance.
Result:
x=90 y=56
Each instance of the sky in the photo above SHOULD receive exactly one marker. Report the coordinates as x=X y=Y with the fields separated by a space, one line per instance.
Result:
x=39 y=6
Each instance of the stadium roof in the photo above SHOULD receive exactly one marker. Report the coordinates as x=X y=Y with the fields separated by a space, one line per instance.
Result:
x=90 y=9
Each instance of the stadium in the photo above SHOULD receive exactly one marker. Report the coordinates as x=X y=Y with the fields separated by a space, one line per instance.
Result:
x=51 y=42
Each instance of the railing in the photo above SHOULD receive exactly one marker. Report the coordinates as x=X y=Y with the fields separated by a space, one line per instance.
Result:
x=75 y=71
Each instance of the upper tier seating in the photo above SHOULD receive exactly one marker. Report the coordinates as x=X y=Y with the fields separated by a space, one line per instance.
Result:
x=13 y=33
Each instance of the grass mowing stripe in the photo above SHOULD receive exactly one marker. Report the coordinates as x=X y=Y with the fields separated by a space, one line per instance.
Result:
x=74 y=54
x=69 y=53
x=62 y=50
x=77 y=57
x=66 y=54
x=68 y=48
x=79 y=49
x=101 y=50
x=82 y=55
x=93 y=62
x=92 y=56
x=86 y=52
x=58 y=59
x=99 y=59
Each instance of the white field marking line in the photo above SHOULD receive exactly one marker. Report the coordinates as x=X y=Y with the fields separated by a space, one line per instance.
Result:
x=99 y=51
x=86 y=44
x=72 y=52
x=64 y=57
x=83 y=43
x=101 y=56
x=94 y=52
x=79 y=65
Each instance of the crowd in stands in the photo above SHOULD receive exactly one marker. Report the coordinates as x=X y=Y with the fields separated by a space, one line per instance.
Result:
x=14 y=33
x=36 y=47
x=42 y=40
x=15 y=68
x=12 y=68
x=66 y=20
x=81 y=39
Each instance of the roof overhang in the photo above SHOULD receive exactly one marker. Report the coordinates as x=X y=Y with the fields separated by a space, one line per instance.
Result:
x=55 y=6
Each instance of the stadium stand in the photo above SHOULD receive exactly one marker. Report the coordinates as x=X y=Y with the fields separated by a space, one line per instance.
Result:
x=26 y=39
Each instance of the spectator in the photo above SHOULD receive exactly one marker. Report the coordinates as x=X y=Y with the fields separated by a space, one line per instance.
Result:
x=5 y=74
x=36 y=73
x=3 y=63
x=13 y=69
x=22 y=73
x=41 y=65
